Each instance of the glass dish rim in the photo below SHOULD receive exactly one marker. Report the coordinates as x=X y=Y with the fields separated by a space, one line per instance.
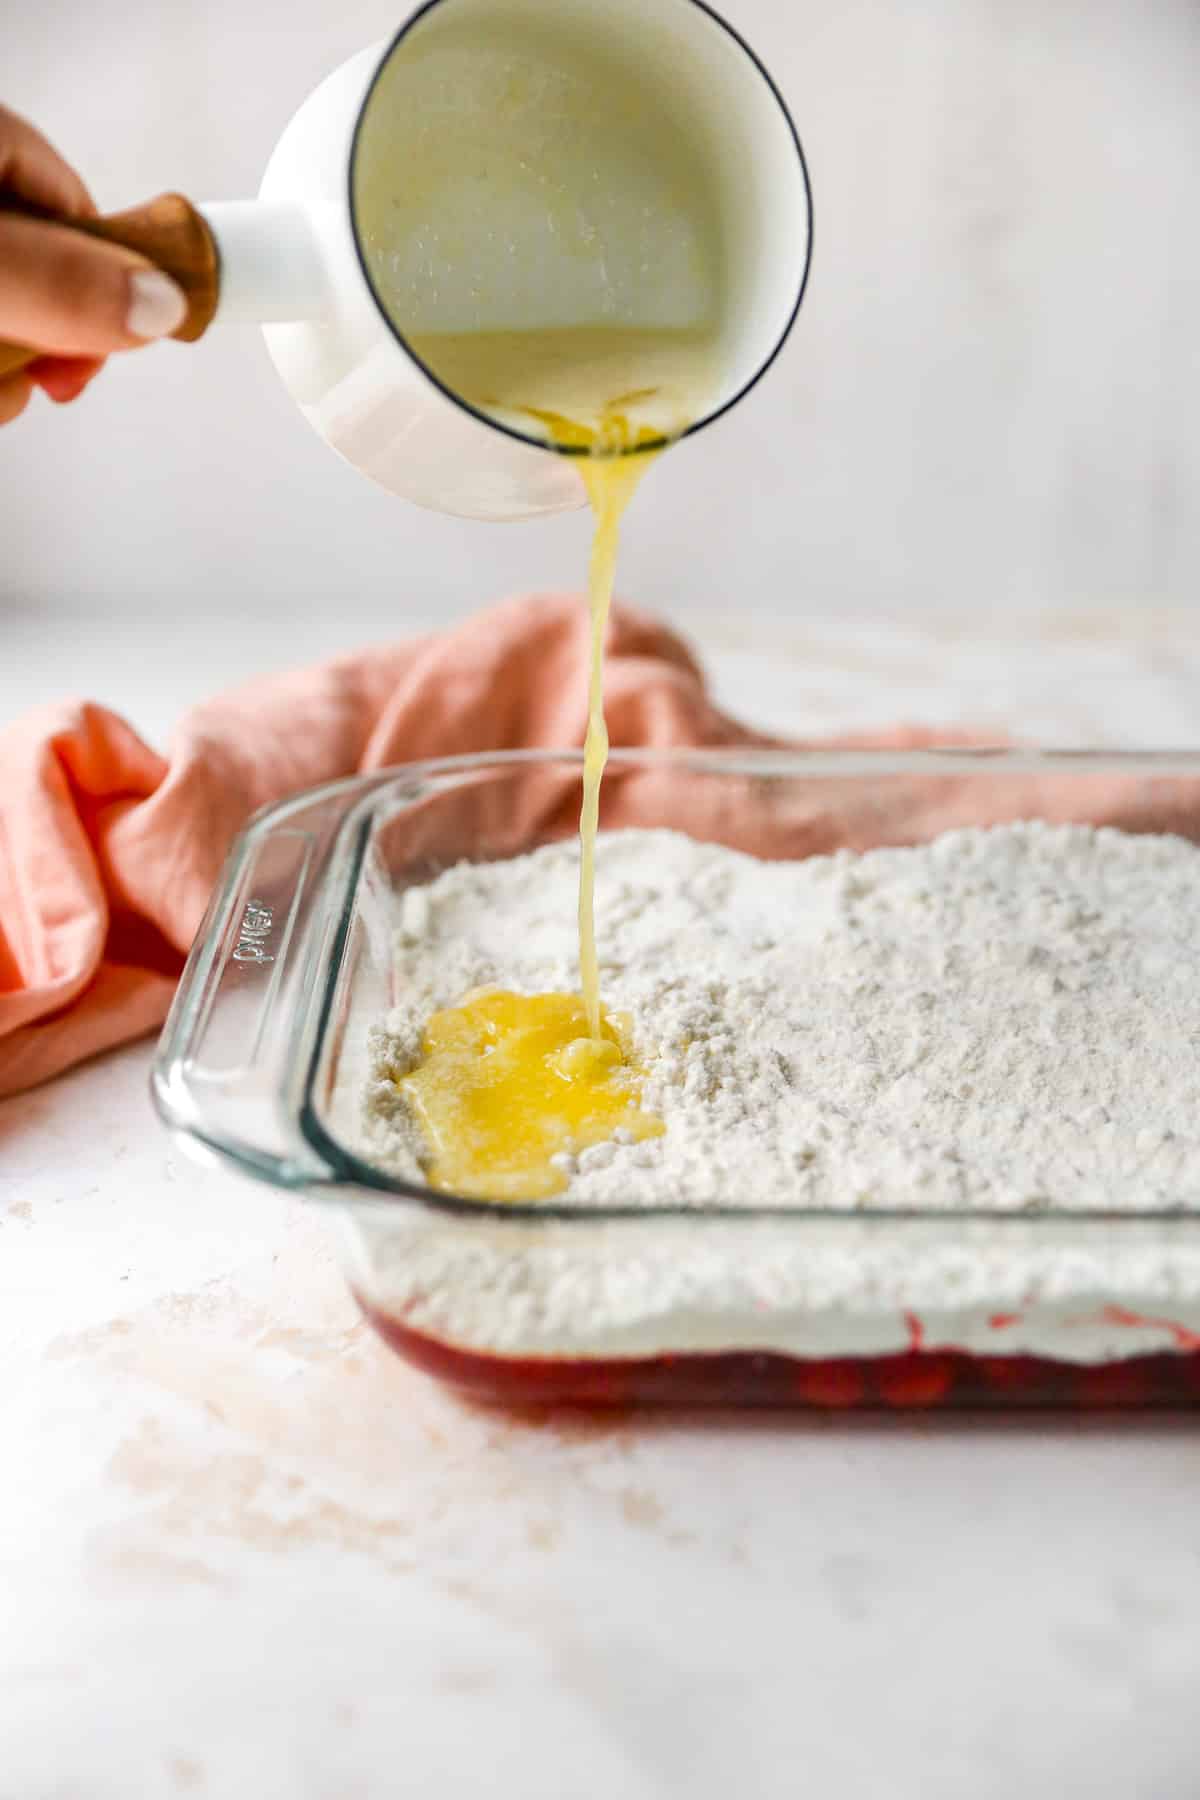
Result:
x=368 y=1184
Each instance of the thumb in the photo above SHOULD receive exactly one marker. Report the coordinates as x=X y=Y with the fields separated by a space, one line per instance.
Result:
x=72 y=295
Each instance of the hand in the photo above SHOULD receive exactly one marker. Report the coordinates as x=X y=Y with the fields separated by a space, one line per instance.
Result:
x=73 y=297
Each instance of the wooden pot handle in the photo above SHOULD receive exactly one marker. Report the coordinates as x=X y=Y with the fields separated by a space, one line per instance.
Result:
x=171 y=234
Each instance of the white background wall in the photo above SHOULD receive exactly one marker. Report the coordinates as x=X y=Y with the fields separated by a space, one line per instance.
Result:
x=991 y=401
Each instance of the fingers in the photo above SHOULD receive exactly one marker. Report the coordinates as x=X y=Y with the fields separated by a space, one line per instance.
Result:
x=63 y=378
x=14 y=396
x=34 y=171
x=71 y=295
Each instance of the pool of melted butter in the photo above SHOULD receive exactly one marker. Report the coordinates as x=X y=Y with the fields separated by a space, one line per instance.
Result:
x=508 y=1082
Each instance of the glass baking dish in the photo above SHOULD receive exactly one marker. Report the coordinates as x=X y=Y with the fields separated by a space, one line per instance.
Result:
x=263 y=1058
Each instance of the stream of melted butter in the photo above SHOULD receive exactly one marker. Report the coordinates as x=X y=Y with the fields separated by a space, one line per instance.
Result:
x=508 y=1083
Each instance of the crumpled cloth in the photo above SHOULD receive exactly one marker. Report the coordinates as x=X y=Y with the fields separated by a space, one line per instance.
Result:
x=109 y=850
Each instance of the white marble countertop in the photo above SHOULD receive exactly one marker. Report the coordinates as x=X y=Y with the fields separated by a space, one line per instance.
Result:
x=246 y=1552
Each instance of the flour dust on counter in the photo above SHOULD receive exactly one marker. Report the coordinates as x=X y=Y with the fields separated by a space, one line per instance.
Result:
x=1003 y=1019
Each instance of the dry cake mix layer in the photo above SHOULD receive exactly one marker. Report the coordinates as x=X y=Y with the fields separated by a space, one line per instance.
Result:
x=1004 y=1019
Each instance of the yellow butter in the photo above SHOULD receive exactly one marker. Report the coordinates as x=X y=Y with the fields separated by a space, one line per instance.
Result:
x=507 y=1082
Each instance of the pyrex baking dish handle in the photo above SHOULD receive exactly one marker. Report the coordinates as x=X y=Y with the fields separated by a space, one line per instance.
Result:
x=232 y=1052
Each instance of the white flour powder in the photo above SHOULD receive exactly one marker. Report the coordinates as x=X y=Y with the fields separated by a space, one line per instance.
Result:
x=1005 y=1019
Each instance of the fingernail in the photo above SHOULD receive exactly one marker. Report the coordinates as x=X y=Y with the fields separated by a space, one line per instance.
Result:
x=156 y=306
